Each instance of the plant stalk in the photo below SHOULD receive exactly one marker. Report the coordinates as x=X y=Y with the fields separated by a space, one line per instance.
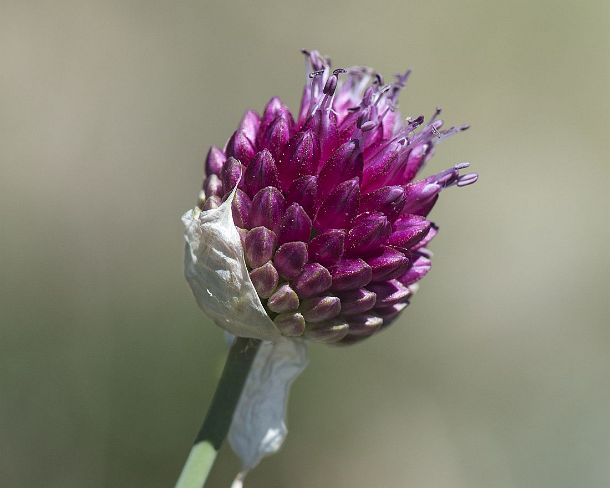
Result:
x=220 y=414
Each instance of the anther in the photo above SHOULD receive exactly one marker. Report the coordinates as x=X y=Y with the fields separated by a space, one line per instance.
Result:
x=313 y=74
x=460 y=166
x=467 y=179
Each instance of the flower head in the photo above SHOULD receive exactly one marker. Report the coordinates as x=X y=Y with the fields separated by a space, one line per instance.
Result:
x=332 y=219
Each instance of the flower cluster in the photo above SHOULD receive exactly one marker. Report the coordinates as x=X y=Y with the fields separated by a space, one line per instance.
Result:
x=333 y=224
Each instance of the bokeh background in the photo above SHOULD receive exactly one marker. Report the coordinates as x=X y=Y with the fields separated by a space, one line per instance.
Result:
x=497 y=375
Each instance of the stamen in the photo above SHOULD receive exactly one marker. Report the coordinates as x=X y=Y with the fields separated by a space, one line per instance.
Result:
x=437 y=112
x=467 y=179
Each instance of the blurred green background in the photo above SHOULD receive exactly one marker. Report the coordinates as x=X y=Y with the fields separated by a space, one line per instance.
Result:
x=496 y=376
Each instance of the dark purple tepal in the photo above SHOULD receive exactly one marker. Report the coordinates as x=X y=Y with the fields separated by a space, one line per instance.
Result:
x=334 y=224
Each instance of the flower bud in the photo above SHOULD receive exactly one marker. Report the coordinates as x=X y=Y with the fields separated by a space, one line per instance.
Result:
x=344 y=164
x=295 y=225
x=389 y=292
x=261 y=172
x=290 y=259
x=303 y=191
x=421 y=197
x=350 y=274
x=240 y=147
x=340 y=207
x=273 y=109
x=318 y=309
x=390 y=312
x=389 y=199
x=267 y=208
x=212 y=186
x=364 y=325
x=241 y=209
x=313 y=280
x=283 y=300
x=231 y=174
x=388 y=265
x=249 y=125
x=259 y=246
x=327 y=248
x=408 y=231
x=368 y=233
x=276 y=136
x=211 y=202
x=327 y=332
x=265 y=280
x=214 y=161
x=417 y=271
x=290 y=324
x=354 y=302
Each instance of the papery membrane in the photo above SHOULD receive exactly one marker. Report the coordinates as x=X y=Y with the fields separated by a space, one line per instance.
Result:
x=215 y=268
x=258 y=428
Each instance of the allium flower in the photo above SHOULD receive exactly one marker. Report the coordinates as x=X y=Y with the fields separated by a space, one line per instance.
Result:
x=333 y=223
x=311 y=227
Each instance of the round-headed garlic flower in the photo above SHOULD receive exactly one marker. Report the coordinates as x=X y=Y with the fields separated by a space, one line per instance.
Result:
x=330 y=216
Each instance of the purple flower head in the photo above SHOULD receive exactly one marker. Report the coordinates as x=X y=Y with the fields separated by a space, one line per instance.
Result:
x=333 y=218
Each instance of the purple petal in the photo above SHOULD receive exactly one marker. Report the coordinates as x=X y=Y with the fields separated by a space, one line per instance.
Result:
x=340 y=208
x=368 y=234
x=388 y=265
x=389 y=199
x=261 y=172
x=344 y=164
x=304 y=191
x=354 y=302
x=283 y=300
x=290 y=259
x=318 y=309
x=408 y=231
x=327 y=248
x=265 y=280
x=214 y=161
x=417 y=157
x=380 y=168
x=313 y=280
x=260 y=244
x=350 y=274
x=267 y=208
x=300 y=158
x=295 y=226
x=323 y=124
x=389 y=292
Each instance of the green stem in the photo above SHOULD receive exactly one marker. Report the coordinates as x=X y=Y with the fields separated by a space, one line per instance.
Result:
x=218 y=419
